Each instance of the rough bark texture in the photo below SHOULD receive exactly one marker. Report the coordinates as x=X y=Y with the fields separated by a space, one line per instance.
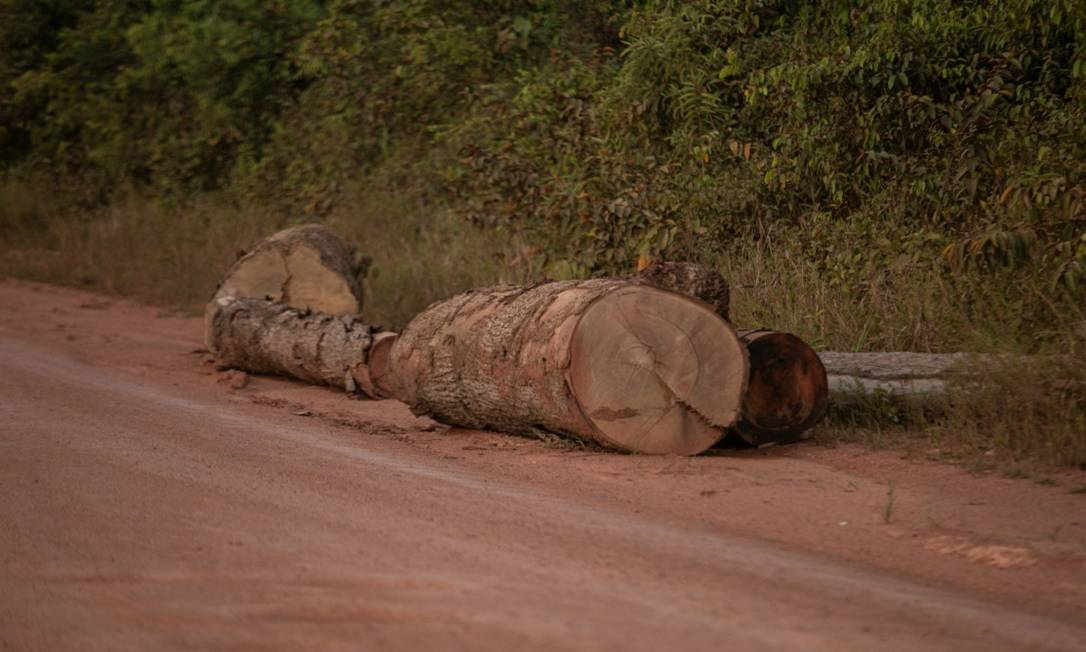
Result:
x=788 y=390
x=853 y=376
x=555 y=356
x=262 y=336
x=305 y=267
x=692 y=280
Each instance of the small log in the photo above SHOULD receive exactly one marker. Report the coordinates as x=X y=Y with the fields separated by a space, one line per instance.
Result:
x=617 y=362
x=306 y=267
x=694 y=280
x=262 y=336
x=856 y=376
x=787 y=392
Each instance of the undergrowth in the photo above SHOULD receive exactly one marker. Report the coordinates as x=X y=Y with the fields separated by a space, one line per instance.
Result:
x=175 y=255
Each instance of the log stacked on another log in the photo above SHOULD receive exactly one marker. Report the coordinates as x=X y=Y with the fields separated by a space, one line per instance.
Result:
x=698 y=281
x=291 y=306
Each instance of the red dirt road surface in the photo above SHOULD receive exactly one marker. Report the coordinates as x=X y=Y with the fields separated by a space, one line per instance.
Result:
x=149 y=502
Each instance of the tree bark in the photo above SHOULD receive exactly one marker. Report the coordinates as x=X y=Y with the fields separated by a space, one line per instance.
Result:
x=788 y=391
x=692 y=279
x=626 y=365
x=262 y=336
x=855 y=376
x=305 y=267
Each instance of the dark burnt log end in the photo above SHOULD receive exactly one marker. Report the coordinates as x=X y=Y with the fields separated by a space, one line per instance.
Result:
x=787 y=392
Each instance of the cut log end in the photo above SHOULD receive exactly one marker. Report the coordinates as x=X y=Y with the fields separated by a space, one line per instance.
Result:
x=787 y=392
x=373 y=377
x=305 y=267
x=655 y=372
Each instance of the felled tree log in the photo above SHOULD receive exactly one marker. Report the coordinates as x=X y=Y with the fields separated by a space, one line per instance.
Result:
x=305 y=267
x=694 y=280
x=856 y=376
x=373 y=378
x=263 y=336
x=626 y=365
x=787 y=392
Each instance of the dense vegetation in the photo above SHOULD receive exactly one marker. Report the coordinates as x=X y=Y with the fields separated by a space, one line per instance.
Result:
x=872 y=173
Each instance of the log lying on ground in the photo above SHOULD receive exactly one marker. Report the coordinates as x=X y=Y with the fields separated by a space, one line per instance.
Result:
x=693 y=280
x=788 y=391
x=263 y=336
x=373 y=378
x=854 y=377
x=626 y=365
x=305 y=267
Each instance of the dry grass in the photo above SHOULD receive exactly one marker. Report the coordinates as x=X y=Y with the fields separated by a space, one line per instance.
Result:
x=174 y=257
x=1028 y=418
x=903 y=309
x=1023 y=411
x=421 y=254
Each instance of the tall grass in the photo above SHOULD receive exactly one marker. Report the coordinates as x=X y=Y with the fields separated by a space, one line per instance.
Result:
x=175 y=255
x=421 y=253
x=919 y=308
x=1028 y=413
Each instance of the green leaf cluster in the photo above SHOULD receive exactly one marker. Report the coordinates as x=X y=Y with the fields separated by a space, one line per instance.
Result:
x=866 y=135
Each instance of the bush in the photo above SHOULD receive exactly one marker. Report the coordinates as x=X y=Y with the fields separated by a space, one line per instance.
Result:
x=863 y=141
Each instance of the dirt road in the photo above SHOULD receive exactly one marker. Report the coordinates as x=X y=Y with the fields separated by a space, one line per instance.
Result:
x=145 y=503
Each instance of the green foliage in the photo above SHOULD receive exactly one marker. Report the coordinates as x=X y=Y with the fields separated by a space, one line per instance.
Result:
x=865 y=139
x=163 y=94
x=918 y=121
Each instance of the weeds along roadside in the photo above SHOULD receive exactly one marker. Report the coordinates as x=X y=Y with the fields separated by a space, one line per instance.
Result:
x=174 y=256
x=1025 y=419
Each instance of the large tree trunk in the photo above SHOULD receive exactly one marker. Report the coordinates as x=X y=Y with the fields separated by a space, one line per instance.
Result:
x=626 y=365
x=305 y=267
x=262 y=336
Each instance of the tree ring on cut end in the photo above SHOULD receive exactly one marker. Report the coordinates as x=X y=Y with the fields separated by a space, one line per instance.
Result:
x=656 y=372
